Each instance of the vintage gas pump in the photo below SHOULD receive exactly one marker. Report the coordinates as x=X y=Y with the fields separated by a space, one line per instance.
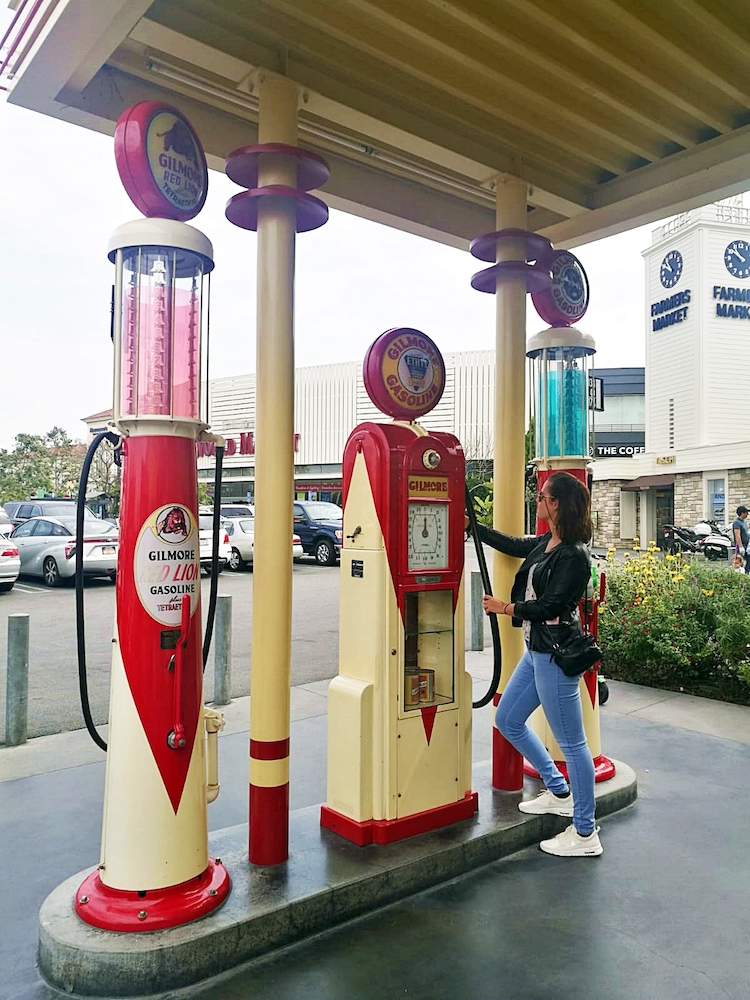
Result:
x=155 y=871
x=399 y=730
x=559 y=361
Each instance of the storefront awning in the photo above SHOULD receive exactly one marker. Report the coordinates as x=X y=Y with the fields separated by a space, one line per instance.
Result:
x=644 y=482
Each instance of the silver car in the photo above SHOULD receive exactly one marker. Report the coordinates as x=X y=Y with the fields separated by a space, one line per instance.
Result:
x=47 y=546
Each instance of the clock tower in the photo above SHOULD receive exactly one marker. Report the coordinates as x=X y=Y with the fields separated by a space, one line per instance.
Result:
x=697 y=325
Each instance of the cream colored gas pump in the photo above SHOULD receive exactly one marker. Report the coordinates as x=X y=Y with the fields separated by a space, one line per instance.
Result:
x=399 y=730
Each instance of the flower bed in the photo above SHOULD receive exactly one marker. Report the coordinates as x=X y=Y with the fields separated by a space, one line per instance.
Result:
x=678 y=624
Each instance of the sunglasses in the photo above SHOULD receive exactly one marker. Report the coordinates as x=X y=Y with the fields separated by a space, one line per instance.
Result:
x=544 y=496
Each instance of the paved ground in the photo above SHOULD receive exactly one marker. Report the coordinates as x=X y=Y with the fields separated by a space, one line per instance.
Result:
x=663 y=914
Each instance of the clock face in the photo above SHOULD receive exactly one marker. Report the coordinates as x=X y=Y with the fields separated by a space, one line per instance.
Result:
x=427 y=541
x=737 y=258
x=671 y=269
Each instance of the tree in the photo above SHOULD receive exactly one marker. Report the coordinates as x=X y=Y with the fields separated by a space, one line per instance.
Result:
x=40 y=463
x=104 y=474
x=66 y=458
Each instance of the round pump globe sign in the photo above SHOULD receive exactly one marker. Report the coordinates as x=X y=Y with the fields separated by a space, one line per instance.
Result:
x=404 y=373
x=566 y=299
x=160 y=161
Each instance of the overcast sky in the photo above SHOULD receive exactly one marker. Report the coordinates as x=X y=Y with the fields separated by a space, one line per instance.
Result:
x=61 y=198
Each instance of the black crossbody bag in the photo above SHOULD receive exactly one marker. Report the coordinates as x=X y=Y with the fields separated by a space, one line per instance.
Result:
x=577 y=656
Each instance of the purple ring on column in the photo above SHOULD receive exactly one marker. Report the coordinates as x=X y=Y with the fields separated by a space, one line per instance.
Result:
x=537 y=247
x=536 y=276
x=242 y=208
x=242 y=165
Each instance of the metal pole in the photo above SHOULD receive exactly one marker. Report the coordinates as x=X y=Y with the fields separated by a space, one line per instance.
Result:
x=477 y=612
x=17 y=681
x=509 y=431
x=223 y=651
x=270 y=679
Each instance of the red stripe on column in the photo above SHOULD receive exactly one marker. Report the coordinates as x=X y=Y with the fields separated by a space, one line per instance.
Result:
x=269 y=749
x=269 y=824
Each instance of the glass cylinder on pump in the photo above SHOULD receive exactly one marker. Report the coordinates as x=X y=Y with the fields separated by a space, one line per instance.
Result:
x=559 y=362
x=160 y=311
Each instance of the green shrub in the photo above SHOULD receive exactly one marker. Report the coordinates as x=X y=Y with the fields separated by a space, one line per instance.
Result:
x=677 y=624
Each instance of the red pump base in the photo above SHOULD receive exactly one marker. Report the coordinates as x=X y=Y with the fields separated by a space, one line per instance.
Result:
x=388 y=831
x=152 y=909
x=604 y=769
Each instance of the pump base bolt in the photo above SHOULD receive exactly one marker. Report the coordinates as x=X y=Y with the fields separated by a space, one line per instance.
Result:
x=83 y=899
x=142 y=914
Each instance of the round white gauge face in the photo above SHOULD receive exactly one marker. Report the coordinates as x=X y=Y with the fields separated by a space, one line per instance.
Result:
x=428 y=536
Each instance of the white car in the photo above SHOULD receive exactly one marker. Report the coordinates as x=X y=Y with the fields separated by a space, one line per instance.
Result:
x=206 y=539
x=6 y=524
x=241 y=531
x=48 y=547
x=10 y=564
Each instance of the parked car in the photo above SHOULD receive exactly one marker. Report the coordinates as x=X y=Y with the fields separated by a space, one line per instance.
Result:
x=6 y=525
x=241 y=531
x=48 y=548
x=21 y=510
x=320 y=526
x=206 y=539
x=10 y=565
x=238 y=509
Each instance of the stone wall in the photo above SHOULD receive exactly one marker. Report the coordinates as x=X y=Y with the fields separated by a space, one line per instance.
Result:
x=738 y=491
x=605 y=510
x=688 y=499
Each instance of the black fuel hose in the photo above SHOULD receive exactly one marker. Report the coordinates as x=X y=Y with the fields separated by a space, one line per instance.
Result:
x=487 y=586
x=83 y=685
x=214 y=557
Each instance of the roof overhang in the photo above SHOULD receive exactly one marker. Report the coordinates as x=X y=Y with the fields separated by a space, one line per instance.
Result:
x=616 y=117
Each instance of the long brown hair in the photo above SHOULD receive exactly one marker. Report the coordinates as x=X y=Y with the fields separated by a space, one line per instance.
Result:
x=573 y=521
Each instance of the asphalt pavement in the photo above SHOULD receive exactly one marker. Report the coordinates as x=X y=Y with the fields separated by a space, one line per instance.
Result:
x=54 y=702
x=662 y=914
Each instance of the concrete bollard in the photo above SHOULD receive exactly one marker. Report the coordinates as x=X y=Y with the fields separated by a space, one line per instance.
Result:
x=223 y=650
x=477 y=612
x=17 y=681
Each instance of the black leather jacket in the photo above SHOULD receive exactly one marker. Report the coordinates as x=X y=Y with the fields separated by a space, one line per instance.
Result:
x=560 y=578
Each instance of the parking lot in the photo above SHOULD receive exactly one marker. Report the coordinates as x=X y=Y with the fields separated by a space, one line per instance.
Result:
x=54 y=704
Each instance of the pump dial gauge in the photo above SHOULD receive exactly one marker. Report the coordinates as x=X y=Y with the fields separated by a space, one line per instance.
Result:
x=427 y=541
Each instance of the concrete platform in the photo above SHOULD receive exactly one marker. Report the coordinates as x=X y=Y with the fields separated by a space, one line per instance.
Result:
x=325 y=882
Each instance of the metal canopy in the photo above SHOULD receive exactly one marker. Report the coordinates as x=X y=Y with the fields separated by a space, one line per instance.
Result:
x=616 y=112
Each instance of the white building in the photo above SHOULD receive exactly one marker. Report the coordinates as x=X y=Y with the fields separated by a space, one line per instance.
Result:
x=330 y=400
x=696 y=461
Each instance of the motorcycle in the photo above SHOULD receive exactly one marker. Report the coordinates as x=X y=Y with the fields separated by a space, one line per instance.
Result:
x=676 y=540
x=714 y=541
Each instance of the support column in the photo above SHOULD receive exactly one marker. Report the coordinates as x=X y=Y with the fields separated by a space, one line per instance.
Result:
x=509 y=432
x=270 y=682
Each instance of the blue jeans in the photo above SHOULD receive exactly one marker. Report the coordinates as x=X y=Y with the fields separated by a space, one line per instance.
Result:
x=538 y=680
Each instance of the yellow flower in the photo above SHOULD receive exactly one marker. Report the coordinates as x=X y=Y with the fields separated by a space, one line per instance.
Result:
x=669 y=558
x=707 y=593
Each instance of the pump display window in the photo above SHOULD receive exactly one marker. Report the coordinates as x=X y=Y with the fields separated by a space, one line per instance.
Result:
x=428 y=649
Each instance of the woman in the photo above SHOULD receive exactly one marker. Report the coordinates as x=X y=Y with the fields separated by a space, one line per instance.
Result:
x=544 y=602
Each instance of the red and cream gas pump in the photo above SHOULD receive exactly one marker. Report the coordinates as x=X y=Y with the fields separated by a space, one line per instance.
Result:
x=559 y=360
x=399 y=711
x=155 y=871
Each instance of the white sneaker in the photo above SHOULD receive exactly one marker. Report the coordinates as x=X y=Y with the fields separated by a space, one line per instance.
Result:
x=570 y=844
x=548 y=802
